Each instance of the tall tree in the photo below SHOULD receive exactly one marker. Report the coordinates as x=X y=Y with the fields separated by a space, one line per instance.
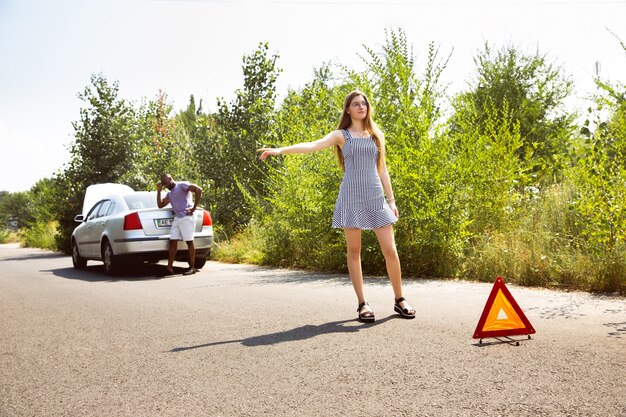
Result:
x=303 y=188
x=104 y=149
x=243 y=126
x=599 y=172
x=17 y=207
x=166 y=145
x=533 y=90
x=407 y=104
x=105 y=140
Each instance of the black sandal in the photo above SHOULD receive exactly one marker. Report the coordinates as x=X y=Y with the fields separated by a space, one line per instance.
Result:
x=404 y=312
x=367 y=316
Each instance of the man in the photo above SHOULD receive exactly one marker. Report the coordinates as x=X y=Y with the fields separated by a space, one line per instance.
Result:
x=184 y=224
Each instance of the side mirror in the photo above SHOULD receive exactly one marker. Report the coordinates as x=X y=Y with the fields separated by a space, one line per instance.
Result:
x=79 y=218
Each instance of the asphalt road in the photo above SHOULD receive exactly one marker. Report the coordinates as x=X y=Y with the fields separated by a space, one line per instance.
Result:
x=237 y=340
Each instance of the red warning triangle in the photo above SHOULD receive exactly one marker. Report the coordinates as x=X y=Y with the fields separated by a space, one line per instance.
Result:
x=502 y=316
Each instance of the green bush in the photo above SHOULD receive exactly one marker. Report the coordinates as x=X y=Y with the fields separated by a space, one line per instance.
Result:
x=241 y=248
x=40 y=235
x=544 y=247
x=9 y=236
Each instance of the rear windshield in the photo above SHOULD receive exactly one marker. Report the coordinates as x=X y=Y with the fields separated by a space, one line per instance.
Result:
x=138 y=201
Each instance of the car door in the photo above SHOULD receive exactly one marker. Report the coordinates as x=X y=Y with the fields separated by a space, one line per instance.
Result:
x=88 y=244
x=98 y=224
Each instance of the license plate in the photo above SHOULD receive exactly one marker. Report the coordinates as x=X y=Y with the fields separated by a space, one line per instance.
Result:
x=164 y=222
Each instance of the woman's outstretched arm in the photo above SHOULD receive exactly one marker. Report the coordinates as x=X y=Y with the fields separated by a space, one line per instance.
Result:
x=333 y=138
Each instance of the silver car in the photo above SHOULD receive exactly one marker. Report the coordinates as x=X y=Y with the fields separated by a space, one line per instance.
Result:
x=127 y=226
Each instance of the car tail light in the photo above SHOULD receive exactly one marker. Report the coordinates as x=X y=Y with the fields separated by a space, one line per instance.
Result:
x=206 y=219
x=132 y=222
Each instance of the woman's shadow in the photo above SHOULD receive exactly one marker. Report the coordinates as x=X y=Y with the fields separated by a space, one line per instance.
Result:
x=299 y=333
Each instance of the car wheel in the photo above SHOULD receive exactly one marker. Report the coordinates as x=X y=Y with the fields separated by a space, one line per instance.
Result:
x=77 y=260
x=199 y=263
x=109 y=259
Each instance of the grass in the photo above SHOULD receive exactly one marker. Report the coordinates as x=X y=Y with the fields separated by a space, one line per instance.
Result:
x=40 y=235
x=9 y=236
x=241 y=248
x=542 y=247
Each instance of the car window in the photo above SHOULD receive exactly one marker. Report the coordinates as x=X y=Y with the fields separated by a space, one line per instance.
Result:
x=94 y=211
x=140 y=201
x=104 y=208
x=111 y=208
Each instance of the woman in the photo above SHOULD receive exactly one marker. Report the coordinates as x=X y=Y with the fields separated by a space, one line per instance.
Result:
x=361 y=204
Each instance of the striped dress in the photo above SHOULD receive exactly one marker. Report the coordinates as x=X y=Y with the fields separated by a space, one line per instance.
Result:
x=361 y=203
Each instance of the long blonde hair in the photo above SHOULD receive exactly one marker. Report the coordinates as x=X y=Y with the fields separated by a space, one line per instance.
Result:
x=369 y=125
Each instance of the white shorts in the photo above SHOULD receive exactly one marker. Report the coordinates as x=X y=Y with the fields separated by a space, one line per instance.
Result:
x=182 y=228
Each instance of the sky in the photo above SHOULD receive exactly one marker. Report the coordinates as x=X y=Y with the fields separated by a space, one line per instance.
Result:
x=50 y=48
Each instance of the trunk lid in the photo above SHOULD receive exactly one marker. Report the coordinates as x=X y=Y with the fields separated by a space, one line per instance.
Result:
x=158 y=222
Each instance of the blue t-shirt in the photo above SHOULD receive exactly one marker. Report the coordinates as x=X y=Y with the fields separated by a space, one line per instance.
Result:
x=180 y=198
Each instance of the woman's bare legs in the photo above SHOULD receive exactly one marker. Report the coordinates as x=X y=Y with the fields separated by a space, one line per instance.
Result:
x=387 y=244
x=353 y=242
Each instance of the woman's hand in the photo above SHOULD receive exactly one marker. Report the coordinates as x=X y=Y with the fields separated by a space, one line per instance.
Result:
x=394 y=209
x=267 y=152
